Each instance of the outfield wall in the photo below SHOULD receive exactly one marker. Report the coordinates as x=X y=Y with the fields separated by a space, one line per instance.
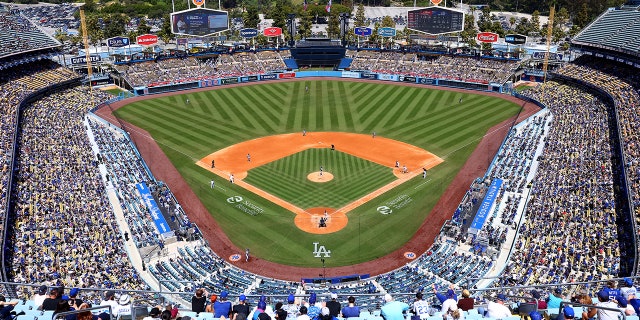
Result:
x=204 y=83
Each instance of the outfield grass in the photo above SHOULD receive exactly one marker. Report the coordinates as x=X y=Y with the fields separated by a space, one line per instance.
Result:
x=431 y=119
x=353 y=178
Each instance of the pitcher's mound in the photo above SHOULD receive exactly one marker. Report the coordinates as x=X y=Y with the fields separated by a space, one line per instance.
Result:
x=316 y=177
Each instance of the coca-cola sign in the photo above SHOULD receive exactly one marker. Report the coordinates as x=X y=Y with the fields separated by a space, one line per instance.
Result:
x=487 y=37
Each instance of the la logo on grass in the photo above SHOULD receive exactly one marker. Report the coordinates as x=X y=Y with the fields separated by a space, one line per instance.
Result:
x=320 y=250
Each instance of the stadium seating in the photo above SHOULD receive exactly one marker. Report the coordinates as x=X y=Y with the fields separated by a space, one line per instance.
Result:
x=20 y=35
x=615 y=28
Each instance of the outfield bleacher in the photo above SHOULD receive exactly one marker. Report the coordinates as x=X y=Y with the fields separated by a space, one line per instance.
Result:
x=19 y=35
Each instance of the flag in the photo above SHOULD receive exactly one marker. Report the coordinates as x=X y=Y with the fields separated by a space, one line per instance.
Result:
x=328 y=7
x=304 y=5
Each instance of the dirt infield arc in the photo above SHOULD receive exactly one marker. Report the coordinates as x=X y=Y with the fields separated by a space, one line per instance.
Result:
x=238 y=159
x=164 y=170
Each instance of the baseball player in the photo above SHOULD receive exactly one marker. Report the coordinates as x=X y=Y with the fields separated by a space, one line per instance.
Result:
x=404 y=169
x=321 y=170
x=397 y=164
x=424 y=173
x=213 y=184
x=231 y=178
x=248 y=157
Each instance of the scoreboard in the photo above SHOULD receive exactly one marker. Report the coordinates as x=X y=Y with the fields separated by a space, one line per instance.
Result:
x=435 y=20
x=199 y=22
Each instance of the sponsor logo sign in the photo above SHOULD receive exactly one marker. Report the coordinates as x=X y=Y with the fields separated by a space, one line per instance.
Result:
x=410 y=255
x=396 y=203
x=488 y=37
x=268 y=77
x=350 y=74
x=319 y=251
x=147 y=39
x=245 y=206
x=387 y=32
x=426 y=81
x=235 y=199
x=370 y=76
x=198 y=3
x=362 y=31
x=407 y=79
x=228 y=80
x=436 y=2
x=234 y=257
x=287 y=75
x=388 y=77
x=272 y=32
x=248 y=78
x=249 y=33
x=83 y=59
x=181 y=41
x=118 y=42
x=384 y=210
x=152 y=206
x=515 y=39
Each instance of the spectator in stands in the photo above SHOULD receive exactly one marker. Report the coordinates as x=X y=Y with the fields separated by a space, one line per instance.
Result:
x=291 y=307
x=498 y=309
x=6 y=308
x=555 y=298
x=51 y=303
x=625 y=306
x=303 y=314
x=542 y=304
x=628 y=290
x=393 y=310
x=605 y=302
x=63 y=306
x=222 y=307
x=212 y=301
x=260 y=309
x=73 y=297
x=241 y=307
x=421 y=307
x=567 y=313
x=124 y=306
x=281 y=314
x=325 y=314
x=154 y=314
x=40 y=296
x=109 y=300
x=467 y=302
x=333 y=305
x=198 y=301
x=612 y=289
x=85 y=315
x=351 y=310
x=314 y=310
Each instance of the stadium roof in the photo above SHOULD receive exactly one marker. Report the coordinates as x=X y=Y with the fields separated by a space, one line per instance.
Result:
x=615 y=29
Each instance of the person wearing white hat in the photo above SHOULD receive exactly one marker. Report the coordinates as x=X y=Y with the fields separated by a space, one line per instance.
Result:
x=124 y=306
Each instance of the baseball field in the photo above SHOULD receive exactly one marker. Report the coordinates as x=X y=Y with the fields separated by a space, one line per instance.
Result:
x=273 y=207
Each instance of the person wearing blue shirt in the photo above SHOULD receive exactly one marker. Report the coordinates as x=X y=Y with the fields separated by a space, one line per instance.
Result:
x=222 y=307
x=351 y=310
x=554 y=299
x=393 y=310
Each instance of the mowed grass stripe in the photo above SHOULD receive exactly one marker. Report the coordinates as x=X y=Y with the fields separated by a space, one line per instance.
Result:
x=257 y=114
x=250 y=112
x=387 y=106
x=174 y=141
x=229 y=104
x=319 y=106
x=270 y=107
x=411 y=101
x=345 y=121
x=372 y=100
x=198 y=123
